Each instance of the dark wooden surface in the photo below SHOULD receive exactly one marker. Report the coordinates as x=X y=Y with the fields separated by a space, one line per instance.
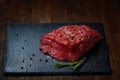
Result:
x=27 y=11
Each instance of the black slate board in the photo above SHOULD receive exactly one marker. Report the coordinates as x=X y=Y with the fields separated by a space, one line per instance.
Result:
x=22 y=55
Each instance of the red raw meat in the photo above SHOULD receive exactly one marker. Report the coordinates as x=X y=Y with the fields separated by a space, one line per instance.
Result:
x=69 y=42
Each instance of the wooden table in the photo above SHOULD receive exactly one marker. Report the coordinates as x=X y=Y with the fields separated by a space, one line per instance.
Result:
x=42 y=11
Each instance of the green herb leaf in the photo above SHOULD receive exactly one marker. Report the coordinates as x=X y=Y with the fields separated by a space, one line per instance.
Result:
x=73 y=65
x=63 y=64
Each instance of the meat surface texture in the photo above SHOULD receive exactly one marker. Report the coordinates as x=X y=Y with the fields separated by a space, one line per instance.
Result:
x=69 y=42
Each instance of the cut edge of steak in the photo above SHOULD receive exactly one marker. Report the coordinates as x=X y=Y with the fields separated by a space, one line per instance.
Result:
x=75 y=41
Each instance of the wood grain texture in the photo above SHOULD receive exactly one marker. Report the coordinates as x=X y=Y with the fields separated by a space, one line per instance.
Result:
x=27 y=11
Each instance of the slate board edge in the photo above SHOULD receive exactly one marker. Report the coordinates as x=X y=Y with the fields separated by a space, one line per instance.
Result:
x=45 y=74
x=5 y=51
x=106 y=46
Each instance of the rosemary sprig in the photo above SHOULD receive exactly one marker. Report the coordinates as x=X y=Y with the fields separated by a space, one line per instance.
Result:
x=74 y=65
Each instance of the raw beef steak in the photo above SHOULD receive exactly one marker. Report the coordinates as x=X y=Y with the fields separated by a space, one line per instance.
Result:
x=69 y=42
